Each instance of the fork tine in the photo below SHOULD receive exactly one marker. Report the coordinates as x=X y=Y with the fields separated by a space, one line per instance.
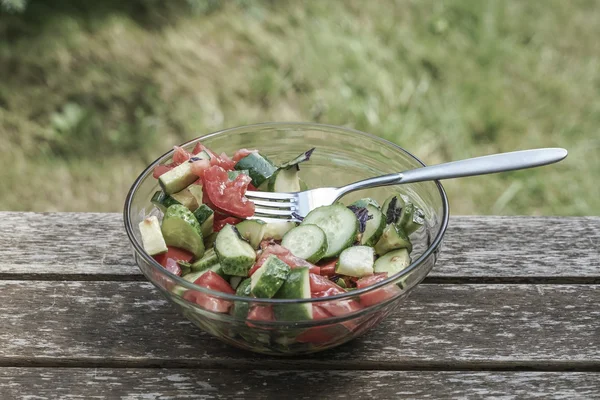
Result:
x=271 y=220
x=275 y=204
x=270 y=195
x=280 y=213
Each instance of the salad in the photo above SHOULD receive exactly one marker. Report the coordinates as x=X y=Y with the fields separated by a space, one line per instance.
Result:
x=204 y=234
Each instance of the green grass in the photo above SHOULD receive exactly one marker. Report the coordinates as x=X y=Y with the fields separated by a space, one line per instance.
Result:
x=90 y=94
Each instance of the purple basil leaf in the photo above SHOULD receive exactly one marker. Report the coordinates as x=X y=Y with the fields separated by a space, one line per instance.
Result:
x=362 y=214
x=298 y=216
x=393 y=212
x=301 y=158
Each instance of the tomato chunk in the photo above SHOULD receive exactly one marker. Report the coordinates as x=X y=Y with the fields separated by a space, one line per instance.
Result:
x=174 y=253
x=241 y=153
x=213 y=281
x=328 y=267
x=272 y=248
x=161 y=169
x=227 y=195
x=219 y=223
x=180 y=155
x=379 y=295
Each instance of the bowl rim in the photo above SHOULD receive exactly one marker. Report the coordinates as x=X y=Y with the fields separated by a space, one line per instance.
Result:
x=433 y=246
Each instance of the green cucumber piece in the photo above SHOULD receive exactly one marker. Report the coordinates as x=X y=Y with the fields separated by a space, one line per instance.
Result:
x=252 y=230
x=392 y=208
x=196 y=191
x=209 y=241
x=374 y=227
x=181 y=229
x=240 y=308
x=152 y=237
x=285 y=180
x=276 y=230
x=235 y=254
x=356 y=261
x=234 y=174
x=411 y=218
x=203 y=155
x=185 y=267
x=296 y=286
x=163 y=201
x=258 y=166
x=306 y=241
x=365 y=201
x=392 y=238
x=205 y=216
x=392 y=262
x=267 y=280
x=303 y=185
x=186 y=198
x=208 y=260
x=177 y=179
x=235 y=281
x=339 y=224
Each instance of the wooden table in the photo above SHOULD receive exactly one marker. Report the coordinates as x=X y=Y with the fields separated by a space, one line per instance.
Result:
x=512 y=308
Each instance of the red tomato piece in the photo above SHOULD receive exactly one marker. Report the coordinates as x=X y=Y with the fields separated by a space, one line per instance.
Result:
x=241 y=153
x=218 y=224
x=227 y=195
x=328 y=267
x=320 y=284
x=161 y=169
x=379 y=295
x=174 y=253
x=223 y=161
x=198 y=168
x=180 y=155
x=322 y=334
x=261 y=313
x=200 y=147
x=272 y=248
x=319 y=312
x=213 y=281
x=172 y=266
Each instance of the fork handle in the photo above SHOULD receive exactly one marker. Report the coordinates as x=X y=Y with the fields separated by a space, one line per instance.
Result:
x=468 y=167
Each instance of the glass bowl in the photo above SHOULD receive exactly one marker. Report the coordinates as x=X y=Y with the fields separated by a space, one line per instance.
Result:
x=342 y=156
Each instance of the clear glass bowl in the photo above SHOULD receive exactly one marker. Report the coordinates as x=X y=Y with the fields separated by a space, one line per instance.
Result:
x=342 y=156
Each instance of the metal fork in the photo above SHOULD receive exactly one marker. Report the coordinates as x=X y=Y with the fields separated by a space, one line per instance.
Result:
x=294 y=206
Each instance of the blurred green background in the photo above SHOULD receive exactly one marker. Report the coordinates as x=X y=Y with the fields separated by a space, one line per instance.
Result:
x=92 y=91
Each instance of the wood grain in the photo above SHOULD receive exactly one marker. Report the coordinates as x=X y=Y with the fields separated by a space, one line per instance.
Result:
x=101 y=383
x=95 y=246
x=548 y=327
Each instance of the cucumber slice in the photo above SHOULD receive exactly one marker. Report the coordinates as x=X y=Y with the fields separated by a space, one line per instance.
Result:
x=364 y=202
x=235 y=254
x=392 y=238
x=240 y=308
x=203 y=155
x=181 y=229
x=205 y=217
x=252 y=230
x=276 y=230
x=356 y=261
x=392 y=262
x=163 y=201
x=339 y=224
x=196 y=191
x=209 y=241
x=306 y=241
x=235 y=281
x=392 y=208
x=185 y=267
x=186 y=198
x=296 y=286
x=411 y=218
x=208 y=260
x=374 y=227
x=152 y=237
x=267 y=280
x=303 y=185
x=259 y=168
x=177 y=179
x=285 y=180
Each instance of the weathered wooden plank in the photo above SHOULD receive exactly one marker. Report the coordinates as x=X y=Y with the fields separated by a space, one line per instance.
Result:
x=81 y=245
x=439 y=327
x=76 y=383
